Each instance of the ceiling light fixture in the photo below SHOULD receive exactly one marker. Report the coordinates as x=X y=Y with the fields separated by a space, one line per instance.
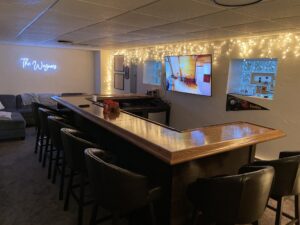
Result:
x=235 y=3
x=64 y=41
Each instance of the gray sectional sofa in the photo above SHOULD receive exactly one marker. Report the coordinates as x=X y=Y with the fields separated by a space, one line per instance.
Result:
x=22 y=115
x=14 y=127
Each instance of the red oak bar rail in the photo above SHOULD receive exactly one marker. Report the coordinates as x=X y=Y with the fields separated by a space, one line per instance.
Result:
x=170 y=158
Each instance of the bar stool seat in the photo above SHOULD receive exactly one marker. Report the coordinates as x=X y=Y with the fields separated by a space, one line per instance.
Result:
x=236 y=199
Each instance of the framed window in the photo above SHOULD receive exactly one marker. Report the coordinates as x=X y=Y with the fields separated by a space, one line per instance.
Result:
x=119 y=63
x=152 y=72
x=252 y=77
x=119 y=81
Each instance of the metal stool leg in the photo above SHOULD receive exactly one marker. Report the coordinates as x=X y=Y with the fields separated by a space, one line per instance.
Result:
x=38 y=134
x=46 y=151
x=81 y=199
x=62 y=179
x=41 y=147
x=66 y=206
x=94 y=215
x=50 y=161
x=279 y=211
x=152 y=213
x=56 y=166
x=297 y=213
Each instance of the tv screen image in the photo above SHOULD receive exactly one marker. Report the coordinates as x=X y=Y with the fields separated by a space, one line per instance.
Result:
x=189 y=74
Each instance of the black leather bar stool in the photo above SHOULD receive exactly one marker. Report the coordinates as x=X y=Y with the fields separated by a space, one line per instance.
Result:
x=55 y=124
x=286 y=182
x=35 y=110
x=46 y=146
x=236 y=199
x=116 y=189
x=44 y=134
x=74 y=144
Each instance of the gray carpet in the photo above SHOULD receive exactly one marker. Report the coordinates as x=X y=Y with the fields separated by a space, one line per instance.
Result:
x=28 y=198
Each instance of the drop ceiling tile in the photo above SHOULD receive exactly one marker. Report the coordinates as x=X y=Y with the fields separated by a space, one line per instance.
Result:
x=121 y=4
x=100 y=41
x=41 y=28
x=138 y=20
x=11 y=23
x=79 y=36
x=22 y=11
x=260 y=26
x=216 y=34
x=178 y=10
x=181 y=27
x=272 y=9
x=25 y=2
x=221 y=19
x=127 y=37
x=85 y=10
x=57 y=22
x=108 y=27
x=150 y=32
x=292 y=22
x=33 y=37
x=114 y=39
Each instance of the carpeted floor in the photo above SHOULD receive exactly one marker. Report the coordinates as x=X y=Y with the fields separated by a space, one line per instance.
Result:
x=27 y=197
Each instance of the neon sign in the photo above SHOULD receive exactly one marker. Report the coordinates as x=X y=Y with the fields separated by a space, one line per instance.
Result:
x=37 y=65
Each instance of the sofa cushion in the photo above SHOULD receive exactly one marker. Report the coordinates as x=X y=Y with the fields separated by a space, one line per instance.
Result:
x=17 y=122
x=9 y=102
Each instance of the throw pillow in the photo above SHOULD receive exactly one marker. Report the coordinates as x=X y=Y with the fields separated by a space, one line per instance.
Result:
x=5 y=115
x=1 y=106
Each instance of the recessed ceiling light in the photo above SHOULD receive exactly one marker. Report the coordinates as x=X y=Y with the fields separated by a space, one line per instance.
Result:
x=64 y=41
x=235 y=3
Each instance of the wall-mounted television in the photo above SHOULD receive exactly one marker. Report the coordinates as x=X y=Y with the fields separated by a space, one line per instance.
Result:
x=189 y=74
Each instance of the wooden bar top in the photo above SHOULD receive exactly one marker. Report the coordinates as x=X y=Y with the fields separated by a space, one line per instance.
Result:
x=169 y=145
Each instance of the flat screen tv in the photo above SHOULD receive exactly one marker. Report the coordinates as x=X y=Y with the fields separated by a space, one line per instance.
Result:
x=189 y=74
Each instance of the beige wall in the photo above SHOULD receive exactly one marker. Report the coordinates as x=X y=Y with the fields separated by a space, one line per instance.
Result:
x=191 y=111
x=75 y=72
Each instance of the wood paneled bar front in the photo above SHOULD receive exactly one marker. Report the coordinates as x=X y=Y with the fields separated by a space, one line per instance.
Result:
x=170 y=158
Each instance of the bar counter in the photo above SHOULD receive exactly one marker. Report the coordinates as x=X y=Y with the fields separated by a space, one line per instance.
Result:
x=170 y=158
x=173 y=146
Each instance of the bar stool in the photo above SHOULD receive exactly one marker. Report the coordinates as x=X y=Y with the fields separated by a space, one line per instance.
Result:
x=286 y=183
x=236 y=199
x=74 y=144
x=35 y=111
x=55 y=124
x=116 y=189
x=44 y=134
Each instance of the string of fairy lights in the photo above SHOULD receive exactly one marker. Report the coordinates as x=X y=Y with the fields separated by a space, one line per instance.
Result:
x=279 y=46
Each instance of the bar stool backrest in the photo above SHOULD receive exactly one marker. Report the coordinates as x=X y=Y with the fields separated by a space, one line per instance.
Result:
x=35 y=110
x=55 y=124
x=115 y=189
x=236 y=199
x=74 y=144
x=43 y=118
x=287 y=174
